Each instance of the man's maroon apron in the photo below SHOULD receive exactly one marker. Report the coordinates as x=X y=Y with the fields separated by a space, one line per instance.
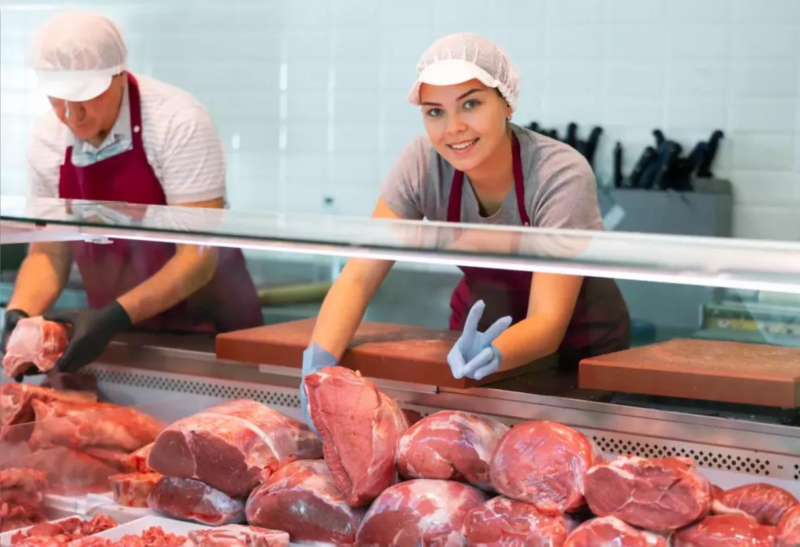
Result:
x=228 y=302
x=600 y=322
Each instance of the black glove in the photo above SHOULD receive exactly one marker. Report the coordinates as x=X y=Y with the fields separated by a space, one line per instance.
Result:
x=11 y=320
x=92 y=330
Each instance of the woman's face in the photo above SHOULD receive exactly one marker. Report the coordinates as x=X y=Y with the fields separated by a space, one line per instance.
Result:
x=466 y=123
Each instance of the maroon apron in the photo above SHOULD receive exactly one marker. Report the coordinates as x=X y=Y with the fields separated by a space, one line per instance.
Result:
x=228 y=302
x=600 y=322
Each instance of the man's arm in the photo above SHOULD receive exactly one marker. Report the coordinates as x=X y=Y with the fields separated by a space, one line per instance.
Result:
x=188 y=271
x=41 y=278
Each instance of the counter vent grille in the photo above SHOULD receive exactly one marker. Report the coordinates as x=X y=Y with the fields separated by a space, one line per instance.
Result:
x=224 y=389
x=703 y=458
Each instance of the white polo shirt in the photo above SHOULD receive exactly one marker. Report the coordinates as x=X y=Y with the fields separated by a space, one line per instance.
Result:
x=180 y=142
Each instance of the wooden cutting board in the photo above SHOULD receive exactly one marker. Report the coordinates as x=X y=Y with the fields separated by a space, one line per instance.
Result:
x=730 y=372
x=378 y=350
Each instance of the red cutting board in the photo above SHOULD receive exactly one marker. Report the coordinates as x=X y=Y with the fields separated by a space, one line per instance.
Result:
x=730 y=372
x=378 y=350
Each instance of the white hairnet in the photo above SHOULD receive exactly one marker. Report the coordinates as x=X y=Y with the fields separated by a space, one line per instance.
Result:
x=465 y=56
x=76 y=53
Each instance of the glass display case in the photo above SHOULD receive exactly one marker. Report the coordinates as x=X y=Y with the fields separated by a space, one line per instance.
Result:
x=713 y=369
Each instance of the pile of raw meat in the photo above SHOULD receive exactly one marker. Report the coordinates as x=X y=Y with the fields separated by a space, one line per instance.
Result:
x=21 y=497
x=61 y=533
x=211 y=461
x=69 y=438
x=450 y=479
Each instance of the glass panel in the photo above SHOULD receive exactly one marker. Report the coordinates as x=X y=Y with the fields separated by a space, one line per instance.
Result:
x=679 y=259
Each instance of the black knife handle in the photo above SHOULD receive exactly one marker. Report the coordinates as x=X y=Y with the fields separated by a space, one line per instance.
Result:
x=648 y=155
x=618 y=165
x=704 y=169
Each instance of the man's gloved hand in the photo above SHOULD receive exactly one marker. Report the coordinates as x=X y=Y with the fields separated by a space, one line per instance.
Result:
x=315 y=358
x=92 y=330
x=474 y=355
x=12 y=317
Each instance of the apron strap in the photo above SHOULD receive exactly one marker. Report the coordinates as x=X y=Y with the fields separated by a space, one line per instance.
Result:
x=519 y=184
x=135 y=109
x=454 y=202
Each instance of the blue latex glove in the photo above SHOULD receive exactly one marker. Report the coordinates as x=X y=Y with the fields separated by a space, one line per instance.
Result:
x=474 y=355
x=315 y=358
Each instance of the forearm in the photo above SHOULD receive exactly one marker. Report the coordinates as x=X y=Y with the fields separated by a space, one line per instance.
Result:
x=344 y=307
x=529 y=340
x=41 y=278
x=188 y=271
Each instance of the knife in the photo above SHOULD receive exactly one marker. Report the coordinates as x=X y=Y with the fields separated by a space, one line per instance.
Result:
x=659 y=135
x=591 y=144
x=668 y=153
x=644 y=161
x=618 y=165
x=704 y=169
x=572 y=135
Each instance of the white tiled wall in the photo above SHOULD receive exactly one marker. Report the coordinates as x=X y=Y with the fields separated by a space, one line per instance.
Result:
x=309 y=95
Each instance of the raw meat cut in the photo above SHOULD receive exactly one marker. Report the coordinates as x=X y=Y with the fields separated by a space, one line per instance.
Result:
x=360 y=428
x=544 y=463
x=29 y=480
x=21 y=497
x=232 y=446
x=91 y=541
x=80 y=425
x=302 y=499
x=237 y=535
x=132 y=489
x=16 y=407
x=118 y=459
x=62 y=532
x=190 y=499
x=726 y=531
x=137 y=462
x=763 y=502
x=37 y=342
x=789 y=528
x=155 y=536
x=612 y=532
x=503 y=522
x=450 y=445
x=71 y=472
x=656 y=494
x=420 y=512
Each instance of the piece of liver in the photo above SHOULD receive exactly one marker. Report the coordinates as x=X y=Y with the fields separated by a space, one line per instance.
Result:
x=730 y=372
x=378 y=350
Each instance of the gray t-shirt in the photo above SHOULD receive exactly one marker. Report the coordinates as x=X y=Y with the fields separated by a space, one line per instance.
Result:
x=560 y=188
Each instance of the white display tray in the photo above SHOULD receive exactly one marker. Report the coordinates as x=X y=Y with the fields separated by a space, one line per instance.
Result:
x=95 y=504
x=5 y=537
x=104 y=504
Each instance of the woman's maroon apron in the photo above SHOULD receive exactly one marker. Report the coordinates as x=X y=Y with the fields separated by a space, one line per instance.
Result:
x=600 y=322
x=228 y=302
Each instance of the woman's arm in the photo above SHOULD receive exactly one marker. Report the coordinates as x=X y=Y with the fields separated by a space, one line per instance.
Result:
x=350 y=295
x=552 y=301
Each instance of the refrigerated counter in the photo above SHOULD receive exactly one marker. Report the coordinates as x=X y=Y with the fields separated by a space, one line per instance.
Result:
x=173 y=375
